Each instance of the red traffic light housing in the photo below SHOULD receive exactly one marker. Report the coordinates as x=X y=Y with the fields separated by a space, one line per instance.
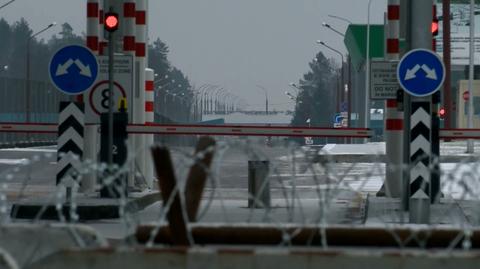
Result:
x=435 y=27
x=442 y=112
x=111 y=22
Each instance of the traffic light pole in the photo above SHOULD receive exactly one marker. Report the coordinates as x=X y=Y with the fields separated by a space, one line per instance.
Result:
x=111 y=56
x=470 y=145
x=420 y=120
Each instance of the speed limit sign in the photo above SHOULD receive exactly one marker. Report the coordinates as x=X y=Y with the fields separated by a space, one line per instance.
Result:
x=98 y=99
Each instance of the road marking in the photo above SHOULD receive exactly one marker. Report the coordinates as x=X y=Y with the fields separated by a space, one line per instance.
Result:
x=14 y=161
x=30 y=150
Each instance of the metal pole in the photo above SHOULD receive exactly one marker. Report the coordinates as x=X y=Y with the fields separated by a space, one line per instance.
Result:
x=27 y=84
x=367 y=73
x=349 y=93
x=470 y=145
x=111 y=56
x=421 y=37
x=6 y=4
x=266 y=103
x=447 y=94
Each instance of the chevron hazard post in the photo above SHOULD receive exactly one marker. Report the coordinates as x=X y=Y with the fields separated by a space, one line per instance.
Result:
x=421 y=74
x=70 y=144
x=420 y=148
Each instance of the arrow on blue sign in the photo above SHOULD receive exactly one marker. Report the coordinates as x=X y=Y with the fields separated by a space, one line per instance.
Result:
x=62 y=69
x=73 y=69
x=421 y=72
x=430 y=72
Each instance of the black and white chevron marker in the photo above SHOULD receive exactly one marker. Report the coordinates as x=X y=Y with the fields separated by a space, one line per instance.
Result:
x=70 y=142
x=420 y=148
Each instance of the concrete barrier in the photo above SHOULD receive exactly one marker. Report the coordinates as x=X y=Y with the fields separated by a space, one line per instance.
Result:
x=258 y=258
x=28 y=243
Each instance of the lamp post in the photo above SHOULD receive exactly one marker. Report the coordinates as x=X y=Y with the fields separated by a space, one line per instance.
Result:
x=333 y=29
x=214 y=100
x=293 y=98
x=340 y=93
x=7 y=3
x=367 y=72
x=266 y=98
x=470 y=144
x=340 y=18
x=27 y=73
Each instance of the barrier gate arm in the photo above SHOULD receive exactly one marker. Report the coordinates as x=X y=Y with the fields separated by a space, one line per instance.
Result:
x=235 y=130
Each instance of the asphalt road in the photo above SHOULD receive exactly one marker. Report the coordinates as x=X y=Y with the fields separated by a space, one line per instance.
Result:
x=291 y=169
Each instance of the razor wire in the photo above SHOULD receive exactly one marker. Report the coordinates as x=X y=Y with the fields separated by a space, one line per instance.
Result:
x=305 y=193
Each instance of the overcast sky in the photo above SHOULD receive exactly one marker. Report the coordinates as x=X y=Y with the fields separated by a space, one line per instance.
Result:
x=237 y=44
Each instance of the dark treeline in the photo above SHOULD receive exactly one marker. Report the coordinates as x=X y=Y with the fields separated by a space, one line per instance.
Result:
x=13 y=48
x=13 y=53
x=316 y=98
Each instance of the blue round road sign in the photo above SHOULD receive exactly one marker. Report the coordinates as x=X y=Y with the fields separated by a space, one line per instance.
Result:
x=421 y=72
x=73 y=69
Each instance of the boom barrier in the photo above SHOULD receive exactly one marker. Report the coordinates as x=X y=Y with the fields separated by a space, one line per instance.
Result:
x=237 y=130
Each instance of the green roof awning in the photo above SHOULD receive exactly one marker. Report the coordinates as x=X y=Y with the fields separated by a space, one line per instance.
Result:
x=356 y=42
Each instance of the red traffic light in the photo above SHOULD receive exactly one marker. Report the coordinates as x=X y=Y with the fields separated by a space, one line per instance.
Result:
x=442 y=112
x=434 y=27
x=111 y=22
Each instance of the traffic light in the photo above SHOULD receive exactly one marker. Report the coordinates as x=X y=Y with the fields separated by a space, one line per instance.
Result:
x=111 y=22
x=442 y=112
x=435 y=27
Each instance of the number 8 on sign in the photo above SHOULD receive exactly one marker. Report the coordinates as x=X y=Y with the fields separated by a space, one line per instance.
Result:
x=99 y=95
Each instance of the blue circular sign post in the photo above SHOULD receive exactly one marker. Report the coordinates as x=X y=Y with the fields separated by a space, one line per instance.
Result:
x=421 y=72
x=73 y=69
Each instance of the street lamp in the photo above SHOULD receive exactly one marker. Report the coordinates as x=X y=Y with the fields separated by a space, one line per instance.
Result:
x=470 y=144
x=340 y=18
x=27 y=82
x=209 y=89
x=266 y=98
x=333 y=29
x=293 y=98
x=340 y=92
x=7 y=3
x=367 y=71
x=214 y=100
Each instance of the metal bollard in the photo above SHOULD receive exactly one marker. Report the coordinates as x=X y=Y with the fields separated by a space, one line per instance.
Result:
x=258 y=184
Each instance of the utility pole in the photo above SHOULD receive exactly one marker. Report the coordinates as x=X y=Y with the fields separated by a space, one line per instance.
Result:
x=111 y=25
x=470 y=145
x=447 y=91
x=419 y=119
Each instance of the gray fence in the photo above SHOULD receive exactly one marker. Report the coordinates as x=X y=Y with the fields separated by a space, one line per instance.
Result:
x=44 y=100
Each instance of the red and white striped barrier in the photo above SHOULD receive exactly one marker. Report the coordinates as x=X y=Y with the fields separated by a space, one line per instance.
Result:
x=236 y=130
x=393 y=117
x=37 y=128
x=149 y=119
x=149 y=96
x=129 y=16
x=223 y=130
x=460 y=134
x=232 y=130
x=93 y=7
x=139 y=95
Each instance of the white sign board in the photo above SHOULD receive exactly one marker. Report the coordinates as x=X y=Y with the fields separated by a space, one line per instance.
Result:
x=459 y=33
x=96 y=98
x=383 y=80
